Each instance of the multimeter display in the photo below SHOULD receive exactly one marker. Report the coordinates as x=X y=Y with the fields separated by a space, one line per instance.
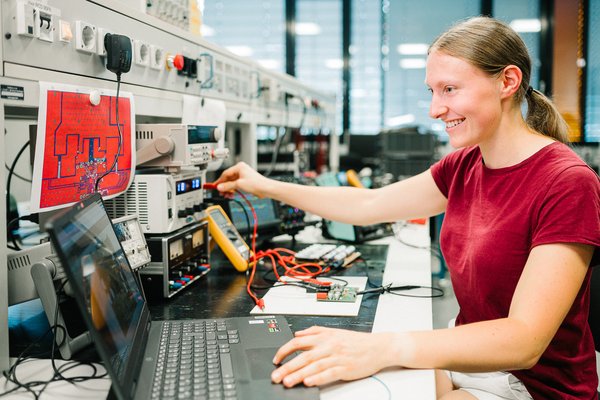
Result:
x=219 y=218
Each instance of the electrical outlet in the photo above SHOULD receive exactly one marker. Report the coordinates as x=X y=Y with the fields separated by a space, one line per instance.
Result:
x=85 y=37
x=141 y=53
x=157 y=57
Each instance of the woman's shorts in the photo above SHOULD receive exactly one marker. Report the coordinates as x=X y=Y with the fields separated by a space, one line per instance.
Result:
x=490 y=385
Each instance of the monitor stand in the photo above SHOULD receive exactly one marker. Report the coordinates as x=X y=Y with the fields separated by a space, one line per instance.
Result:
x=72 y=339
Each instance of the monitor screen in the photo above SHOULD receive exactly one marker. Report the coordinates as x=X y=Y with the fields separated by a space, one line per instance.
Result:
x=98 y=268
x=266 y=213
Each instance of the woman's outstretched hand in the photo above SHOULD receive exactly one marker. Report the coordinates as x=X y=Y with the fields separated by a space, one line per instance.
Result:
x=243 y=177
x=328 y=355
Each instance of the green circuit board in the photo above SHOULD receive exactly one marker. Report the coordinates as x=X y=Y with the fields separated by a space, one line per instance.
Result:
x=339 y=295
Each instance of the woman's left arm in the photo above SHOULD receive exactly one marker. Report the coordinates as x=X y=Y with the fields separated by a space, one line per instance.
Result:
x=549 y=284
x=545 y=293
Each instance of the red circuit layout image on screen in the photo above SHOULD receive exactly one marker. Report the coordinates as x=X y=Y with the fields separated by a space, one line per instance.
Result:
x=81 y=144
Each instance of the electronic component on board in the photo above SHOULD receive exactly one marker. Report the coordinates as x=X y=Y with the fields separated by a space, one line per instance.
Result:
x=338 y=293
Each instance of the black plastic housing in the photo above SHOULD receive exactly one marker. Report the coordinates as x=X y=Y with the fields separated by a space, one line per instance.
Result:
x=118 y=53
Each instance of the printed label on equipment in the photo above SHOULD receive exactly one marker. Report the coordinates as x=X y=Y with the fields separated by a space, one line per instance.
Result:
x=11 y=92
x=257 y=321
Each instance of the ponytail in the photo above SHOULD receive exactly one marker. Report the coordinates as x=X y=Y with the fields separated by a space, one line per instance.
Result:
x=543 y=117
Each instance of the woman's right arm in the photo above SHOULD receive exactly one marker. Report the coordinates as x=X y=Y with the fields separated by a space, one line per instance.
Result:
x=414 y=197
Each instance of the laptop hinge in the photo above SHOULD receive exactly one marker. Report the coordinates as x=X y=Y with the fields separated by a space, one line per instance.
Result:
x=133 y=386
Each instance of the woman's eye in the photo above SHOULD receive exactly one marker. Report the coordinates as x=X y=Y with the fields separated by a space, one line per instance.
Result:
x=448 y=89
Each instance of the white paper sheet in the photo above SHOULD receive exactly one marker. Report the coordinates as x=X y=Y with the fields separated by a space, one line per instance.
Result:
x=293 y=300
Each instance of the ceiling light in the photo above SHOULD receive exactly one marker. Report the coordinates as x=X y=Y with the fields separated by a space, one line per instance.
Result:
x=526 y=25
x=412 y=48
x=413 y=63
x=334 y=63
x=358 y=93
x=307 y=28
x=401 y=120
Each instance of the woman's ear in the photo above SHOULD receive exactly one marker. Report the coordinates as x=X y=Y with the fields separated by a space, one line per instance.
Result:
x=510 y=80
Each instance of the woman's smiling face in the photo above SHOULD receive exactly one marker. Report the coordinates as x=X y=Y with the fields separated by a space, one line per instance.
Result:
x=464 y=97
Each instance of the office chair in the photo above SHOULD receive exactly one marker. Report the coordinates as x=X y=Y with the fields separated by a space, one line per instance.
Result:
x=594 y=316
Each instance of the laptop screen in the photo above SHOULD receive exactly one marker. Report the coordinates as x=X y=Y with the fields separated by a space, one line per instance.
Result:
x=98 y=269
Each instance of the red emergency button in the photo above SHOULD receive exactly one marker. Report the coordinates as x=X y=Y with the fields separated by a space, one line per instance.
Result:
x=175 y=61
x=178 y=62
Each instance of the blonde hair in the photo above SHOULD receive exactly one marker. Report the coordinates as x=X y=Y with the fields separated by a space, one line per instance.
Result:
x=492 y=45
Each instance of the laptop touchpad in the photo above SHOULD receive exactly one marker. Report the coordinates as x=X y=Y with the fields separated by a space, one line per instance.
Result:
x=261 y=362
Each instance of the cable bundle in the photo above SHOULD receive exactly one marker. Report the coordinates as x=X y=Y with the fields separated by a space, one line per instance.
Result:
x=305 y=273
x=11 y=373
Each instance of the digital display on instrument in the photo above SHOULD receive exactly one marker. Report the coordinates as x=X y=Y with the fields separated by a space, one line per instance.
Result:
x=175 y=249
x=197 y=238
x=187 y=185
x=219 y=218
x=198 y=134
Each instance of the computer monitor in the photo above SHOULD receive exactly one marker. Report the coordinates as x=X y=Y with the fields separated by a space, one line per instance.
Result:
x=85 y=240
x=240 y=214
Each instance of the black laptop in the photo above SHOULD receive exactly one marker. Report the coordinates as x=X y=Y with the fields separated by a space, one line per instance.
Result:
x=189 y=359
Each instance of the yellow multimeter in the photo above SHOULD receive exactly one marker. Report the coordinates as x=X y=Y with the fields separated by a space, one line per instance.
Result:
x=228 y=238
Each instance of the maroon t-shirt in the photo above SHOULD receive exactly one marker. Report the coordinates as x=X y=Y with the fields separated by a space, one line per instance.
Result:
x=493 y=219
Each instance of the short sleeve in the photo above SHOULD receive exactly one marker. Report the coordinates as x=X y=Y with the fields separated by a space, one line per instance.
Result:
x=570 y=209
x=454 y=166
x=439 y=173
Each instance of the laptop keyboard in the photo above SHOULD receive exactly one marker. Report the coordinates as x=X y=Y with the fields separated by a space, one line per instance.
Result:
x=194 y=361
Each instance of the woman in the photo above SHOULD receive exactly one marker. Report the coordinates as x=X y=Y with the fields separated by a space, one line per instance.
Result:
x=521 y=225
